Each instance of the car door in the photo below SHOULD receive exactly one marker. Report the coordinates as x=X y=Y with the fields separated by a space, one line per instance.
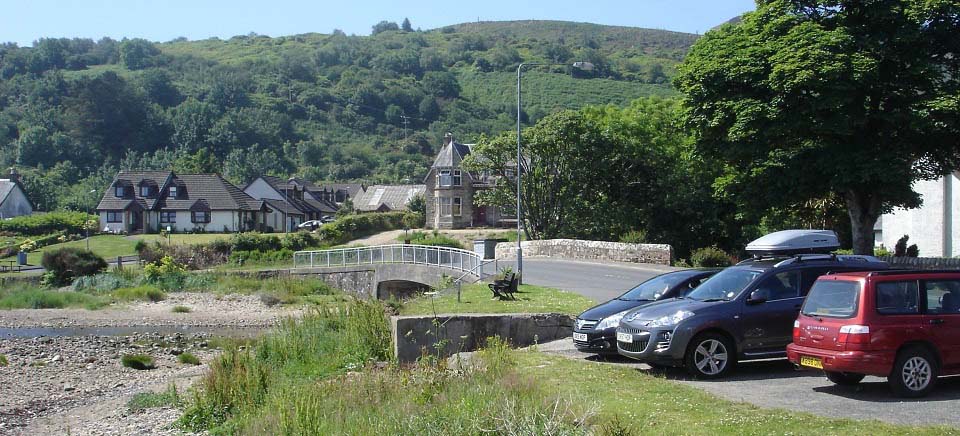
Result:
x=942 y=319
x=768 y=326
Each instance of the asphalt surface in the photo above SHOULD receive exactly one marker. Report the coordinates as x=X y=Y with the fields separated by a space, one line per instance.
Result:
x=776 y=384
x=599 y=281
x=768 y=384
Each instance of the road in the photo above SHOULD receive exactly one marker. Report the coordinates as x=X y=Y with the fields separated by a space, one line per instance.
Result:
x=599 y=281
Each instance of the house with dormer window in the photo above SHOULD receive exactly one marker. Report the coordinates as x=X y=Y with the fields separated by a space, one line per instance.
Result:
x=293 y=201
x=151 y=201
x=450 y=191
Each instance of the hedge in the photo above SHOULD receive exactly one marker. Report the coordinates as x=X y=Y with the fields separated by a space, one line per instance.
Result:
x=46 y=223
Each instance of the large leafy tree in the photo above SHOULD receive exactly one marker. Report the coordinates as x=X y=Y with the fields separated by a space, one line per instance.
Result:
x=807 y=98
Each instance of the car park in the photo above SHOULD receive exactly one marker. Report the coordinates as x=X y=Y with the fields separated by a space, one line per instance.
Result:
x=903 y=325
x=595 y=329
x=744 y=312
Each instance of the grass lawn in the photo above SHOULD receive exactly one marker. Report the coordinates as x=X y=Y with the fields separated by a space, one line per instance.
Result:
x=105 y=246
x=185 y=238
x=476 y=298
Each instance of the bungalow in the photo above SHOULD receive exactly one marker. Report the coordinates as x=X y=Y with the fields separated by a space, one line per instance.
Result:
x=291 y=200
x=387 y=198
x=150 y=201
x=13 y=198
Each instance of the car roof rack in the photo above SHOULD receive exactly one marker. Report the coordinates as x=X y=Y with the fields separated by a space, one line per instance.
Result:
x=792 y=242
x=798 y=258
x=894 y=271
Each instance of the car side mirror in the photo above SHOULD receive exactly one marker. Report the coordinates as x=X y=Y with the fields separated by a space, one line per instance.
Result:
x=759 y=296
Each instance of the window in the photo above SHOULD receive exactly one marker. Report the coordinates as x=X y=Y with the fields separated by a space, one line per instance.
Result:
x=118 y=191
x=444 y=178
x=200 y=217
x=444 y=206
x=173 y=191
x=144 y=191
x=898 y=298
x=168 y=217
x=783 y=285
x=115 y=217
x=943 y=296
x=457 y=206
x=457 y=178
x=833 y=299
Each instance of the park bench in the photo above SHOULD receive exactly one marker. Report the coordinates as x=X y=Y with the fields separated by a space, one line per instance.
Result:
x=504 y=289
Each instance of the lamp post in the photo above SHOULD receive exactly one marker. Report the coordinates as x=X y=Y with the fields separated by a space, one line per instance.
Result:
x=86 y=225
x=586 y=66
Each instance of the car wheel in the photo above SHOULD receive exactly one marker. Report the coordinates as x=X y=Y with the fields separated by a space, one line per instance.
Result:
x=914 y=373
x=710 y=356
x=844 y=378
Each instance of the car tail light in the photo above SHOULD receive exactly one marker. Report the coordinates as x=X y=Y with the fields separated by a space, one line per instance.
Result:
x=854 y=334
x=796 y=331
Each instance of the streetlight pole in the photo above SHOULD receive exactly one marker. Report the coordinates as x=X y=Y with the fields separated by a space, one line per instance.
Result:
x=587 y=66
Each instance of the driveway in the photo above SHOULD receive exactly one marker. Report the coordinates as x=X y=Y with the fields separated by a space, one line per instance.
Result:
x=775 y=384
x=598 y=281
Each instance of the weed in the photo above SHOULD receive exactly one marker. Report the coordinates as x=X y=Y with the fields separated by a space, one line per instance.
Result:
x=138 y=361
x=181 y=309
x=189 y=359
x=269 y=300
x=149 y=400
x=139 y=293
x=3 y=360
x=28 y=297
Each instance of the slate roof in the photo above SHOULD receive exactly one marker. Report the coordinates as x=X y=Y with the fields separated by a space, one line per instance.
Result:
x=451 y=155
x=395 y=197
x=324 y=206
x=353 y=189
x=195 y=192
x=6 y=187
x=294 y=205
x=282 y=206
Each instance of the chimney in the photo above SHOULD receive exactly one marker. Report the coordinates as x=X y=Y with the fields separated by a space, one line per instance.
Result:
x=14 y=175
x=447 y=139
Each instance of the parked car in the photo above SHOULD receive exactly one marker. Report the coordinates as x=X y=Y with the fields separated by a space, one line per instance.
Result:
x=310 y=225
x=903 y=325
x=595 y=329
x=744 y=312
x=328 y=219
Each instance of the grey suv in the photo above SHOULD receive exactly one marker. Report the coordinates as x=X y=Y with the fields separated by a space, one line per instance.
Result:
x=744 y=312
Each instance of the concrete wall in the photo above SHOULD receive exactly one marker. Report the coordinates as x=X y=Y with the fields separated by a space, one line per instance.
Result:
x=16 y=204
x=589 y=250
x=381 y=280
x=260 y=189
x=935 y=226
x=415 y=335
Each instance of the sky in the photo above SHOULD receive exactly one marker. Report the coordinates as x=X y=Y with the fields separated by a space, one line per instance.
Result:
x=25 y=21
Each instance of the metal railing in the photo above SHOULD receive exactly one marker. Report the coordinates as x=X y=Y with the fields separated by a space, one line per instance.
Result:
x=443 y=257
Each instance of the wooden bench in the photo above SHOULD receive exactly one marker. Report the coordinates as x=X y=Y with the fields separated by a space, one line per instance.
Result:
x=504 y=289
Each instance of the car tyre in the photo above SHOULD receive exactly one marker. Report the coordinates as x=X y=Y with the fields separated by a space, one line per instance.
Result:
x=710 y=355
x=844 y=378
x=914 y=373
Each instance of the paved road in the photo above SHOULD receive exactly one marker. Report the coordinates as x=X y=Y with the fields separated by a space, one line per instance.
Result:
x=594 y=280
x=775 y=384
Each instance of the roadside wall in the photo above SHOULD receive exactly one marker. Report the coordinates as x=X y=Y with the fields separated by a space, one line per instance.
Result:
x=923 y=262
x=415 y=335
x=660 y=254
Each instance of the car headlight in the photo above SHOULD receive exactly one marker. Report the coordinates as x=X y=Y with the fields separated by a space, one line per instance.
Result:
x=611 y=321
x=669 y=320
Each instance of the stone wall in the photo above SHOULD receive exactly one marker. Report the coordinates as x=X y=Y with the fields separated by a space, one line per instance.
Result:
x=589 y=250
x=360 y=283
x=415 y=335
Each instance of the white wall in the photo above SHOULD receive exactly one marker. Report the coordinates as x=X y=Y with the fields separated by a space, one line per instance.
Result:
x=16 y=204
x=925 y=225
x=114 y=227
x=260 y=189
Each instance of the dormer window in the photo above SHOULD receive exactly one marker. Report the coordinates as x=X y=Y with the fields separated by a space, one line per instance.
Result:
x=118 y=191
x=145 y=191
x=173 y=191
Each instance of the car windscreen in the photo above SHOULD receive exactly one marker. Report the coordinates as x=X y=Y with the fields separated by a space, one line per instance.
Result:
x=654 y=288
x=832 y=299
x=725 y=285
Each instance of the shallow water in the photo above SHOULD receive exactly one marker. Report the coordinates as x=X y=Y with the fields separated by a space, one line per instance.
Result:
x=33 y=332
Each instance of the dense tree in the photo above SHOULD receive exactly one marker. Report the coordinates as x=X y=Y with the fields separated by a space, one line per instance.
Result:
x=384 y=26
x=406 y=27
x=137 y=53
x=804 y=99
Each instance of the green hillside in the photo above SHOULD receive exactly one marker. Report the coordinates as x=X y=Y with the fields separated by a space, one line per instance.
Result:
x=325 y=107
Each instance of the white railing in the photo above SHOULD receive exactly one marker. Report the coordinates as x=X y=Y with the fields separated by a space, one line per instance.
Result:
x=443 y=257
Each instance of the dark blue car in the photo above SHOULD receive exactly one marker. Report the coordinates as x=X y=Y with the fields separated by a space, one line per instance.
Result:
x=595 y=330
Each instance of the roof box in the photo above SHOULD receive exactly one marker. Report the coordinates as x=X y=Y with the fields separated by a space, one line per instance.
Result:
x=788 y=242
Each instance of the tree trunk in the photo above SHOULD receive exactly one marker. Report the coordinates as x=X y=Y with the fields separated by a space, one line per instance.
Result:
x=864 y=209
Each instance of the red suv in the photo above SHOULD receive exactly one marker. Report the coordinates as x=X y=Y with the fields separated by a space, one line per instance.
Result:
x=903 y=325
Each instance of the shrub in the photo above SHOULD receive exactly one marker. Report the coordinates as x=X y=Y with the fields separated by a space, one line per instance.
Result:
x=414 y=220
x=140 y=246
x=181 y=309
x=709 y=257
x=353 y=226
x=269 y=300
x=298 y=241
x=69 y=262
x=138 y=361
x=913 y=251
x=104 y=282
x=262 y=256
x=167 y=274
x=634 y=237
x=3 y=360
x=189 y=359
x=139 y=293
x=253 y=241
x=148 y=400
x=45 y=223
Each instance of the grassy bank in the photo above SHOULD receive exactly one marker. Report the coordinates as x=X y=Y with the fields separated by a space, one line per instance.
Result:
x=105 y=246
x=317 y=376
x=476 y=298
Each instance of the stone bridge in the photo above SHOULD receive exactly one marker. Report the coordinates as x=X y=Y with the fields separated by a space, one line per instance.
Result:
x=383 y=271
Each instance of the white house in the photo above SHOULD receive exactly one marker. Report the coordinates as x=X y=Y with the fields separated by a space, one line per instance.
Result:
x=13 y=198
x=293 y=200
x=934 y=226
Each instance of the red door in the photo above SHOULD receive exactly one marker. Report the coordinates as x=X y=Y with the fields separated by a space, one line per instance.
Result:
x=480 y=216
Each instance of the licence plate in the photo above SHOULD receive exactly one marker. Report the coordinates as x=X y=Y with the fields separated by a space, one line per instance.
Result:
x=580 y=337
x=625 y=337
x=812 y=362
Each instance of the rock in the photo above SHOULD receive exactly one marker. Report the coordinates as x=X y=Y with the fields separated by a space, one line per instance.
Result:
x=176 y=351
x=56 y=358
x=68 y=388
